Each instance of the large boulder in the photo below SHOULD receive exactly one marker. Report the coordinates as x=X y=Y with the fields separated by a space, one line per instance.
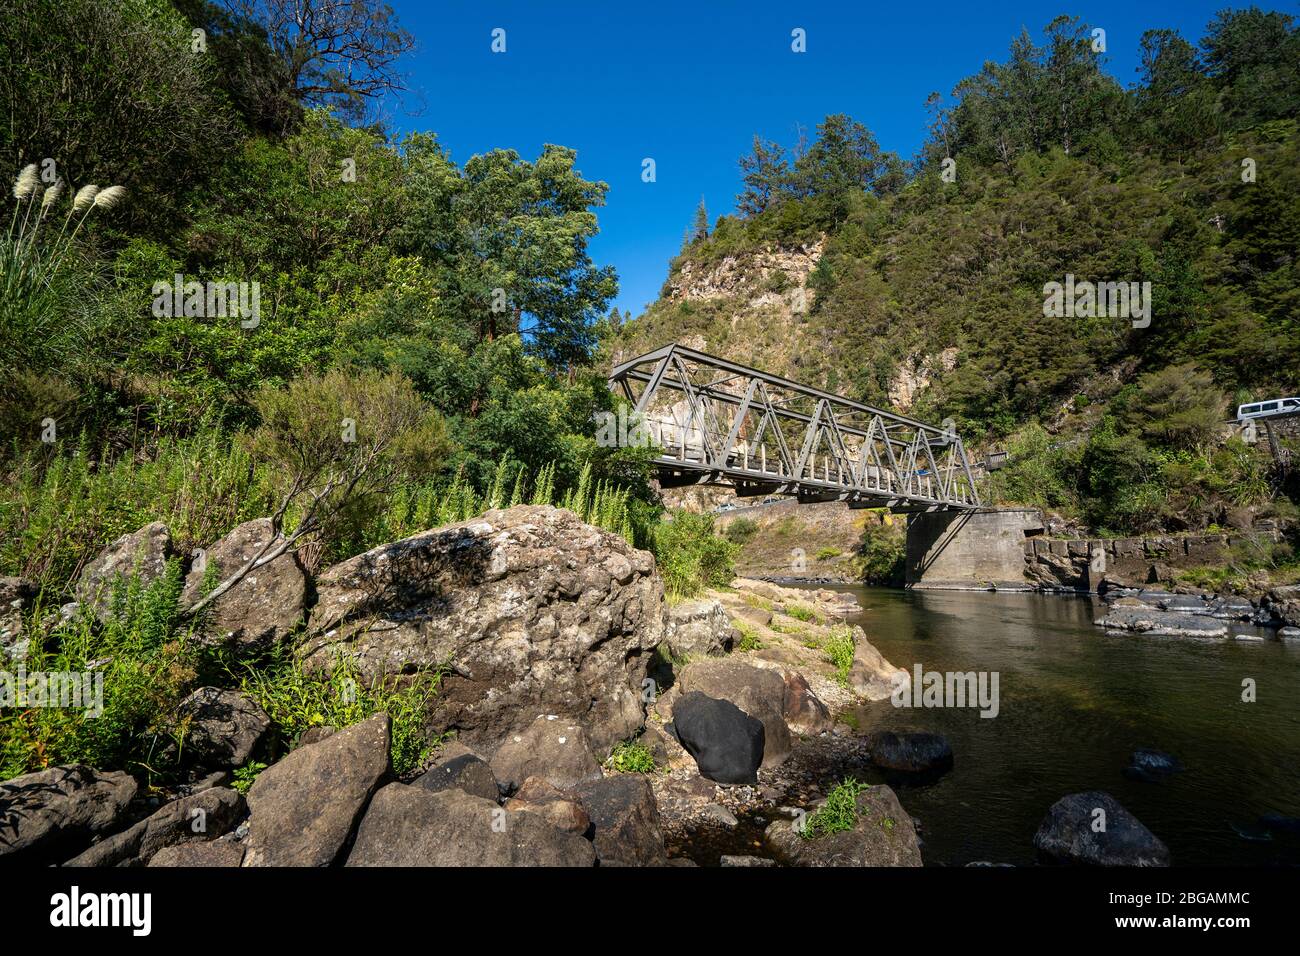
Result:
x=224 y=727
x=909 y=752
x=304 y=808
x=1093 y=828
x=200 y=817
x=47 y=816
x=625 y=820
x=143 y=553
x=758 y=692
x=410 y=826
x=267 y=603
x=804 y=711
x=698 y=629
x=218 y=853
x=726 y=742
x=538 y=613
x=553 y=749
x=882 y=836
x=554 y=806
x=1283 y=605
x=870 y=674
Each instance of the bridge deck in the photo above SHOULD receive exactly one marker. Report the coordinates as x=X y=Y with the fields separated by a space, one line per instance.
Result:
x=716 y=422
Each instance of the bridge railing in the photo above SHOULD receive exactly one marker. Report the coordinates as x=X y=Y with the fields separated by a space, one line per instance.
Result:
x=717 y=422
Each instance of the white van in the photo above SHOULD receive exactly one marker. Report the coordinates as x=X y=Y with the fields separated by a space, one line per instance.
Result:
x=1269 y=409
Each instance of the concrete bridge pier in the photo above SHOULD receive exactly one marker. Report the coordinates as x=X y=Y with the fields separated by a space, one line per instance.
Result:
x=970 y=550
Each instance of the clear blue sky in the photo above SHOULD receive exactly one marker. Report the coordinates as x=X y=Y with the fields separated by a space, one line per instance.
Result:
x=689 y=84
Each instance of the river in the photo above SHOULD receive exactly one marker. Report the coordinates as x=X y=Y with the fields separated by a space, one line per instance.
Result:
x=1075 y=701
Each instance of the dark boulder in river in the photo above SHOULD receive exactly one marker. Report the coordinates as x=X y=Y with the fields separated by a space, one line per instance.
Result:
x=1151 y=765
x=726 y=742
x=1094 y=828
x=910 y=753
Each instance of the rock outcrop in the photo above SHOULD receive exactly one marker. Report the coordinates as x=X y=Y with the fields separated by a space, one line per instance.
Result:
x=535 y=611
x=304 y=808
x=555 y=750
x=698 y=629
x=267 y=603
x=624 y=819
x=47 y=816
x=224 y=727
x=143 y=553
x=882 y=836
x=200 y=817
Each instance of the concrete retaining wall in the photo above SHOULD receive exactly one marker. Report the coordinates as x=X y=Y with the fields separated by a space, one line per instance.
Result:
x=974 y=550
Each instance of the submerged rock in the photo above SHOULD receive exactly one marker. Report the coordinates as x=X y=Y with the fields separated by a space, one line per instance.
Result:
x=1151 y=765
x=1094 y=828
x=910 y=752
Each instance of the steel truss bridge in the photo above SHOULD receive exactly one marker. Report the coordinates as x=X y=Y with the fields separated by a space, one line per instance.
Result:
x=718 y=423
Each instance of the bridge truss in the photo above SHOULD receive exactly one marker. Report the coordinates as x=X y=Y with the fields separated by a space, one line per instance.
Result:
x=715 y=422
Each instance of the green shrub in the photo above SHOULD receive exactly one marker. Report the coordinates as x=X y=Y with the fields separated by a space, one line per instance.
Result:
x=825 y=554
x=691 y=557
x=839 y=651
x=741 y=530
x=245 y=776
x=838 y=813
x=749 y=639
x=631 y=757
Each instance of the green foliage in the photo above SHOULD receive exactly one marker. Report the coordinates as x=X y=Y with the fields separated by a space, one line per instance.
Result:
x=749 y=639
x=825 y=554
x=244 y=777
x=297 y=700
x=147 y=666
x=838 y=648
x=631 y=757
x=880 y=555
x=691 y=557
x=741 y=530
x=801 y=612
x=838 y=813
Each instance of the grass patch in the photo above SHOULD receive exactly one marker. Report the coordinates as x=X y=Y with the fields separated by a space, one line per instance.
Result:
x=749 y=639
x=839 y=651
x=802 y=612
x=244 y=778
x=631 y=757
x=825 y=554
x=838 y=813
x=762 y=603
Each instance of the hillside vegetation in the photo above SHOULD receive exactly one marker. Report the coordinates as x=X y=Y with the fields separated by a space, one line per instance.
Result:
x=1038 y=168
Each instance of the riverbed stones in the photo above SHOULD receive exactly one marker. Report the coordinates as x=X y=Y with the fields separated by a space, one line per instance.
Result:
x=202 y=816
x=48 y=815
x=624 y=819
x=143 y=553
x=411 y=826
x=883 y=835
x=464 y=771
x=266 y=605
x=694 y=629
x=304 y=808
x=224 y=727
x=921 y=752
x=539 y=612
x=556 y=750
x=726 y=743
x=1152 y=620
x=758 y=692
x=1072 y=832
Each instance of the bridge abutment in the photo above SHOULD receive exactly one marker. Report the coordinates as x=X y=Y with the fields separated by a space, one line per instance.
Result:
x=970 y=550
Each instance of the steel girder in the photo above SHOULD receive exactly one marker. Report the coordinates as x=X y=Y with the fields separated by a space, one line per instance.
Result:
x=717 y=422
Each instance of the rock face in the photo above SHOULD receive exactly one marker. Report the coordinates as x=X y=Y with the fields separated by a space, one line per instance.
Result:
x=698 y=629
x=48 y=815
x=201 y=817
x=909 y=753
x=553 y=749
x=882 y=836
x=804 y=712
x=305 y=807
x=555 y=807
x=1284 y=605
x=218 y=853
x=1067 y=834
x=625 y=820
x=16 y=595
x=144 y=552
x=463 y=772
x=759 y=693
x=225 y=727
x=539 y=612
x=726 y=742
x=267 y=603
x=409 y=826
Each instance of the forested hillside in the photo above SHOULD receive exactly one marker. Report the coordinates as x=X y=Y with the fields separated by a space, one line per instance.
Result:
x=929 y=288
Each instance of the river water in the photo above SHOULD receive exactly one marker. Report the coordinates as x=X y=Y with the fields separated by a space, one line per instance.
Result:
x=1075 y=701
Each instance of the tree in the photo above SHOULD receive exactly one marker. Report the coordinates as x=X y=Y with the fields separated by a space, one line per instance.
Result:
x=1176 y=98
x=339 y=54
x=1255 y=55
x=766 y=174
x=1176 y=407
x=700 y=228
